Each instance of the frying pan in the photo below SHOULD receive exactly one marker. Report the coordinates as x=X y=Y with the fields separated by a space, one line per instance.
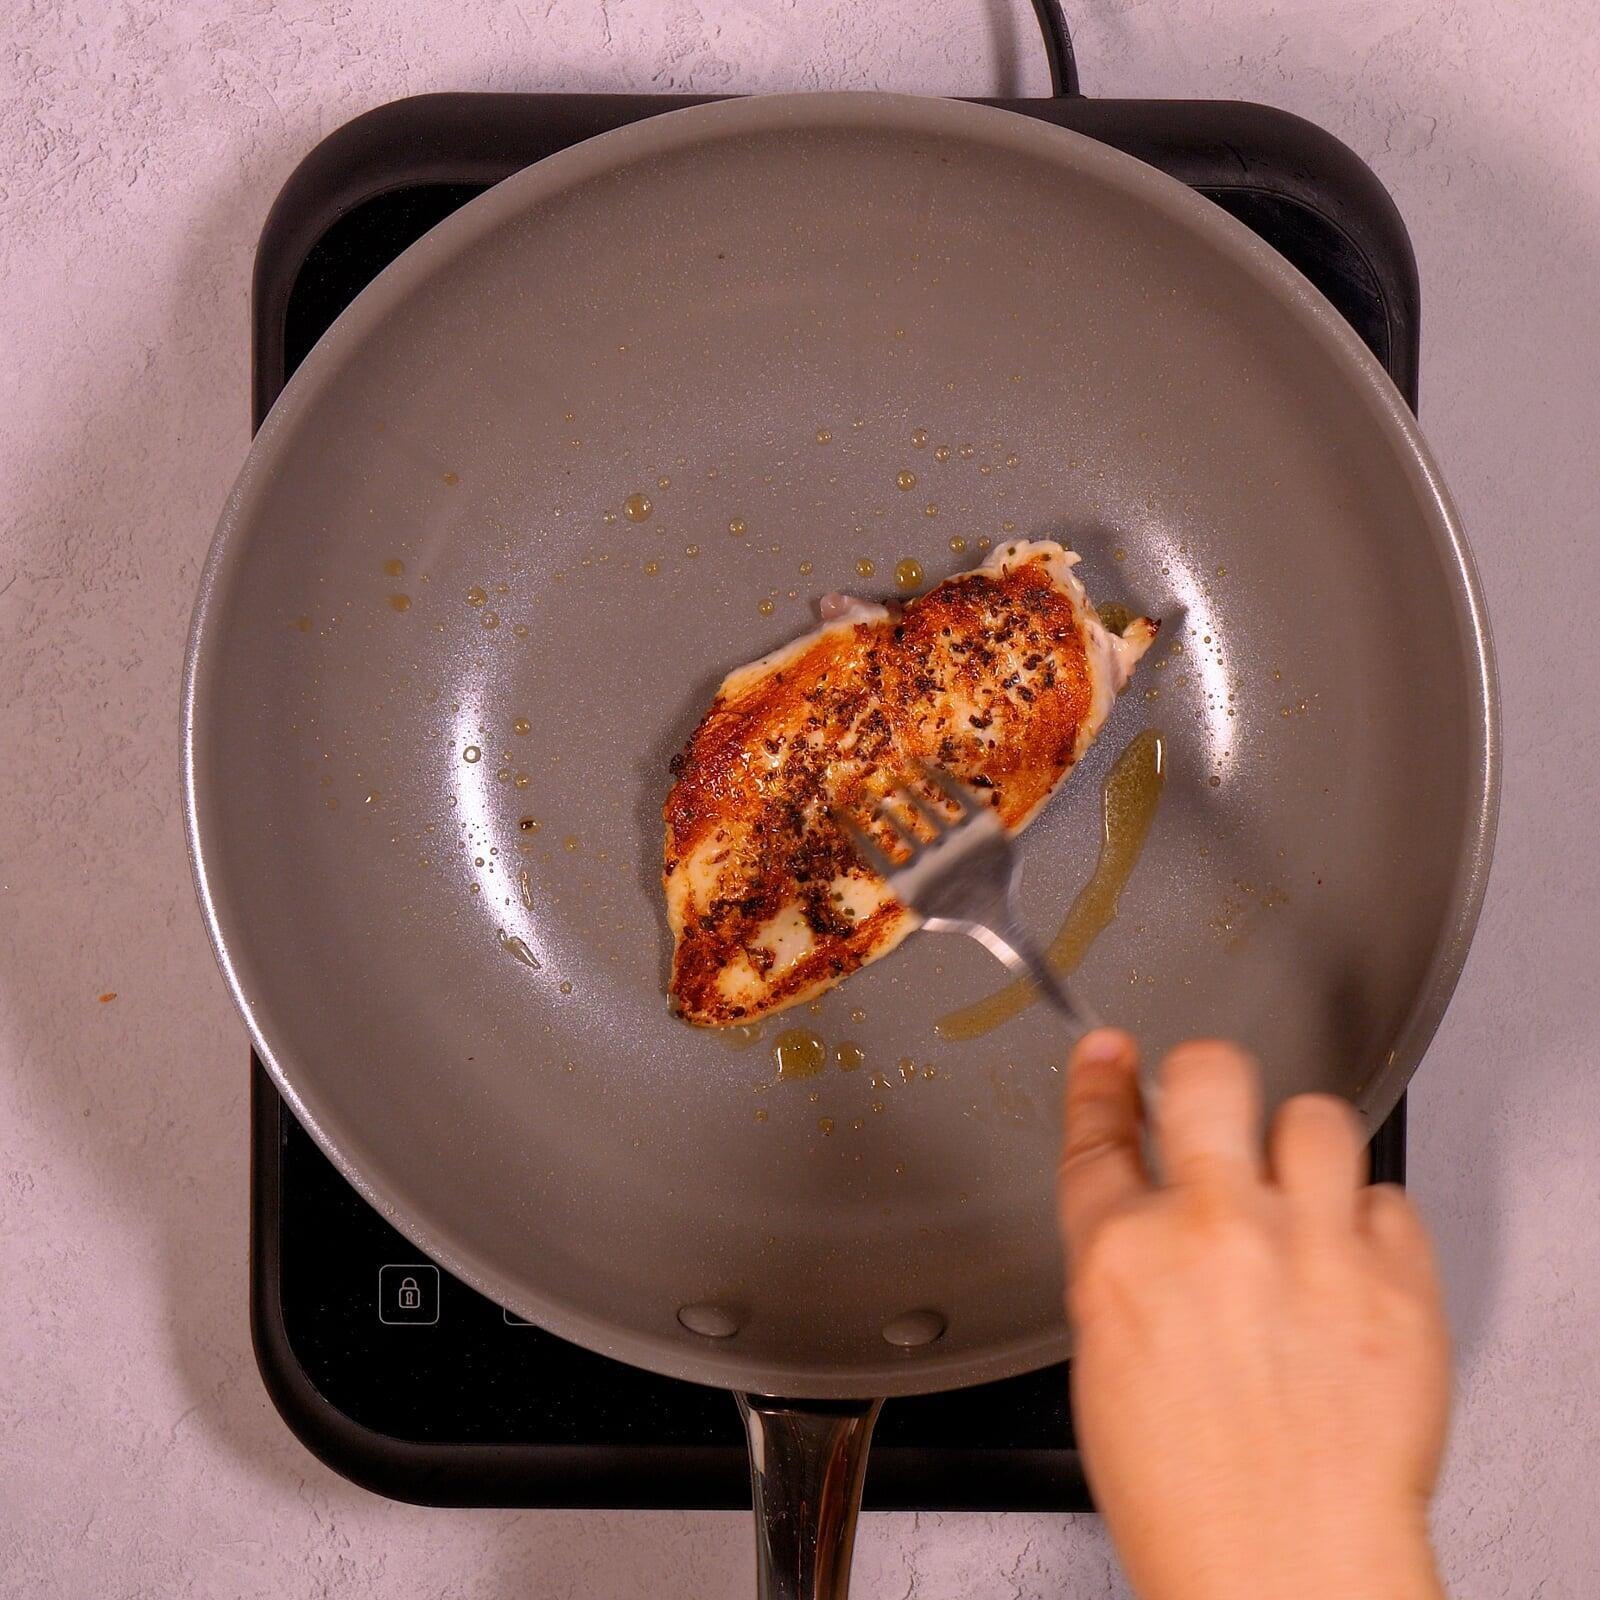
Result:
x=442 y=656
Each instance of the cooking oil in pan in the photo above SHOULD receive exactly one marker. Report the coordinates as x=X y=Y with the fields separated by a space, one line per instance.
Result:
x=799 y=1053
x=1131 y=795
x=518 y=950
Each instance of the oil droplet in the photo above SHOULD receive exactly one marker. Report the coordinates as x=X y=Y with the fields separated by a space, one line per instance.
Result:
x=331 y=803
x=571 y=842
x=799 y=1053
x=826 y=1125
x=761 y=1115
x=529 y=824
x=525 y=889
x=502 y=775
x=899 y=1169
x=942 y=453
x=907 y=1068
x=522 y=726
x=637 y=508
x=908 y=572
x=303 y=624
x=984 y=542
x=1222 y=572
x=957 y=543
x=477 y=596
x=824 y=437
x=399 y=602
x=805 y=569
x=741 y=1035
x=518 y=949
x=663 y=483
x=966 y=452
x=520 y=629
x=1214 y=781
x=565 y=986
x=1119 y=554
x=1129 y=799
x=906 y=479
x=608 y=517
x=452 y=479
x=1012 y=461
x=919 y=438
x=651 y=568
x=930 y=510
x=1008 y=527
x=865 y=567
x=858 y=1016
x=491 y=619
x=471 y=754
x=737 y=527
x=395 y=569
x=373 y=798
x=521 y=781
x=847 y=1057
x=691 y=550
x=766 y=608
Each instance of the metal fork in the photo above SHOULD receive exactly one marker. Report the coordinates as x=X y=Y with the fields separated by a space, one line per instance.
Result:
x=964 y=880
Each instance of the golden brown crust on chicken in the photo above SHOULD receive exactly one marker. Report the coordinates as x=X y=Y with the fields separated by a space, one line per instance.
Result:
x=1001 y=676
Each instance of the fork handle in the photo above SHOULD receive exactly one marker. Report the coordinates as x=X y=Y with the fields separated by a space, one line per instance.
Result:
x=1016 y=950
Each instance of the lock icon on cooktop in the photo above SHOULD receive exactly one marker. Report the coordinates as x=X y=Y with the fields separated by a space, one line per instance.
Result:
x=408 y=1293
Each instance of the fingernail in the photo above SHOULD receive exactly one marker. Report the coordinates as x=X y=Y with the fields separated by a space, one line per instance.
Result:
x=1102 y=1046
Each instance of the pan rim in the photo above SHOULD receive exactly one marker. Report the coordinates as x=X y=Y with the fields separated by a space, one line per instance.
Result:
x=227 y=926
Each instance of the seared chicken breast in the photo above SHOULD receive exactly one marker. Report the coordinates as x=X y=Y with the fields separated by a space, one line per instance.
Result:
x=1002 y=676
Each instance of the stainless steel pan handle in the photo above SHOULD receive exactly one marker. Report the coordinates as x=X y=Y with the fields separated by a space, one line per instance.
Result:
x=807 y=1462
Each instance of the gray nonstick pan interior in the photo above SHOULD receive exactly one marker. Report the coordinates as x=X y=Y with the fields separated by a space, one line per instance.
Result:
x=438 y=672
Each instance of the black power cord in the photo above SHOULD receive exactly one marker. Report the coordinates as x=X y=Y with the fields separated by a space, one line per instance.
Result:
x=1057 y=48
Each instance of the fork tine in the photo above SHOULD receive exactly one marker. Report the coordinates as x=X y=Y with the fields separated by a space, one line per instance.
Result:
x=897 y=825
x=871 y=856
x=925 y=809
x=951 y=788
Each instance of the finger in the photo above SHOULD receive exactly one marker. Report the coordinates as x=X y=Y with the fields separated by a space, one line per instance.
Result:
x=1209 y=1125
x=1102 y=1166
x=1399 y=1236
x=1318 y=1157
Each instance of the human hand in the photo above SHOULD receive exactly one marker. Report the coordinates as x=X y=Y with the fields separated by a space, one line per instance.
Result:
x=1261 y=1380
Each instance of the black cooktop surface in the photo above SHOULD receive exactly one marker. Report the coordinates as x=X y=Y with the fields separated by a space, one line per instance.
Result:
x=397 y=1374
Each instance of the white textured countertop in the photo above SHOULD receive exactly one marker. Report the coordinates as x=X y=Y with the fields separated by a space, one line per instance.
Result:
x=140 y=146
